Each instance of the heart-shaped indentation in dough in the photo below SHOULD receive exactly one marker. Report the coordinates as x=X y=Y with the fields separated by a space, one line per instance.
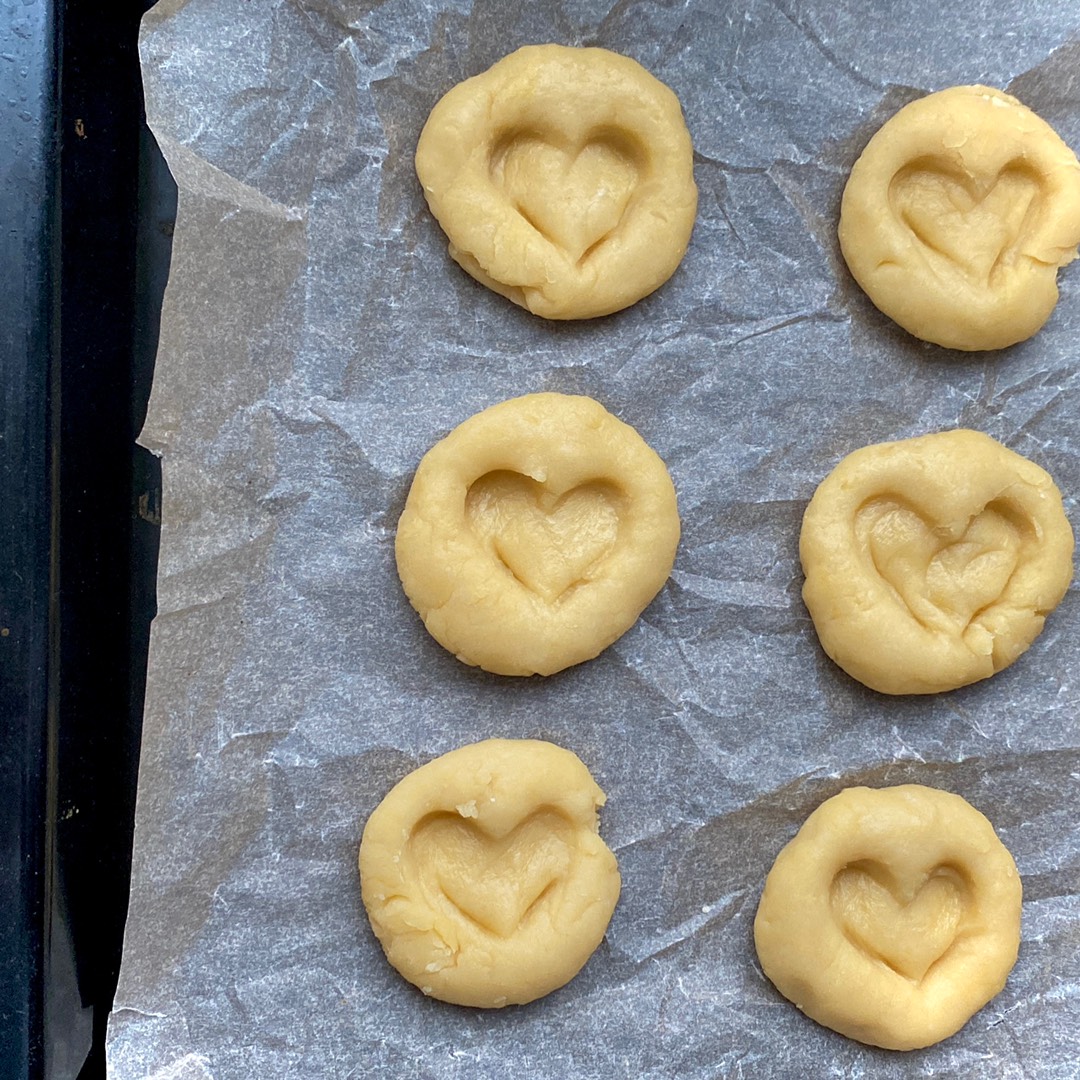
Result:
x=977 y=226
x=550 y=542
x=908 y=930
x=495 y=882
x=933 y=570
x=574 y=196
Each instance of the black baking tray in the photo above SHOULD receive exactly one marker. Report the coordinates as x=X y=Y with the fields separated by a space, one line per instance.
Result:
x=87 y=207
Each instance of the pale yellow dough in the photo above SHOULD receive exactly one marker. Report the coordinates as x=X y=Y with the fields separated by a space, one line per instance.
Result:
x=563 y=178
x=535 y=534
x=484 y=876
x=892 y=917
x=933 y=562
x=958 y=215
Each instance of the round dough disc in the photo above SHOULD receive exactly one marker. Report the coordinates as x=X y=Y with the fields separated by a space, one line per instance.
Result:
x=933 y=562
x=957 y=216
x=536 y=533
x=892 y=917
x=564 y=179
x=484 y=876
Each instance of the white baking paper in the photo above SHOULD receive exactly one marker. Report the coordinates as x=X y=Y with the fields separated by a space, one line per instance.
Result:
x=317 y=339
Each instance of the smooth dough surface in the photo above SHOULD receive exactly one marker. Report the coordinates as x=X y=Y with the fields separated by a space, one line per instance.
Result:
x=536 y=533
x=892 y=917
x=484 y=876
x=957 y=216
x=563 y=178
x=933 y=562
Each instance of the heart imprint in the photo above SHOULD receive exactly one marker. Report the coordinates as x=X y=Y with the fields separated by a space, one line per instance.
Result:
x=932 y=570
x=573 y=196
x=976 y=226
x=494 y=882
x=548 y=542
x=907 y=931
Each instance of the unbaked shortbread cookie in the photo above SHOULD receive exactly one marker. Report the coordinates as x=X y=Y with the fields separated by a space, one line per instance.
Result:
x=958 y=215
x=892 y=917
x=484 y=876
x=933 y=562
x=535 y=534
x=563 y=178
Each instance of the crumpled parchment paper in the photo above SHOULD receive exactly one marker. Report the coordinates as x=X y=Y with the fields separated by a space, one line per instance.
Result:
x=317 y=339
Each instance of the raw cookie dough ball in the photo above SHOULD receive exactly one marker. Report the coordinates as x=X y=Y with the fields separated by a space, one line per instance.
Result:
x=933 y=562
x=958 y=215
x=564 y=179
x=535 y=534
x=892 y=917
x=484 y=876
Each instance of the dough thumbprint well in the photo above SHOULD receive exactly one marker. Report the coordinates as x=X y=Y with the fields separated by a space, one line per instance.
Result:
x=892 y=917
x=958 y=215
x=484 y=876
x=536 y=533
x=563 y=178
x=933 y=562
